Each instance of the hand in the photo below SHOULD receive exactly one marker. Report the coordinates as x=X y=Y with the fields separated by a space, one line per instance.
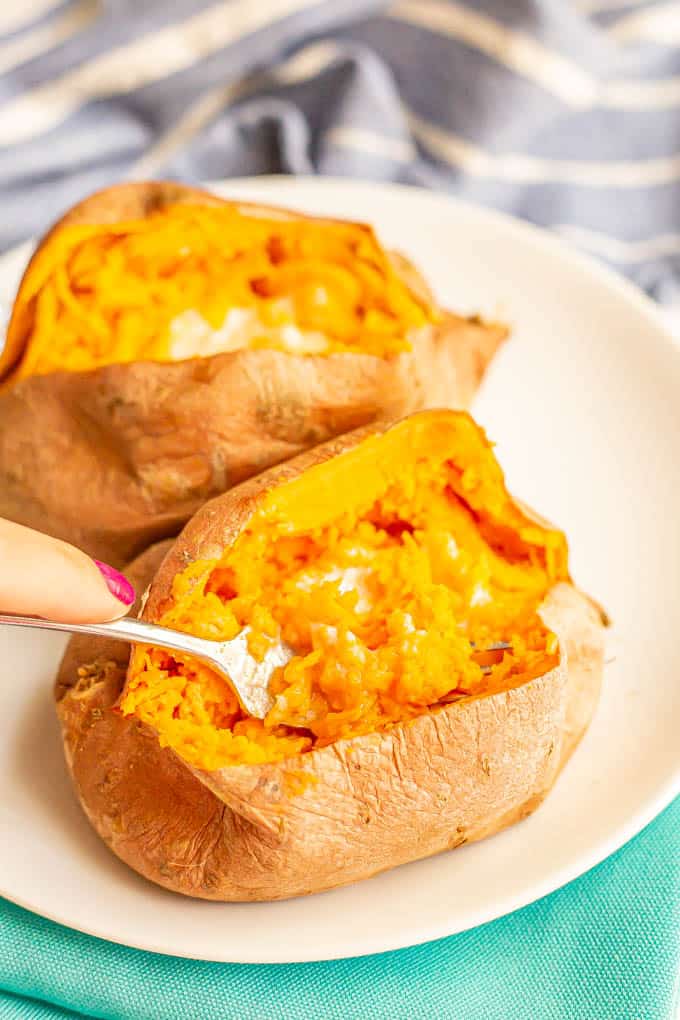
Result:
x=41 y=576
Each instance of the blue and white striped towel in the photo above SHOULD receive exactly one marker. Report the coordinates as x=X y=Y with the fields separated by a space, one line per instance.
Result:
x=566 y=112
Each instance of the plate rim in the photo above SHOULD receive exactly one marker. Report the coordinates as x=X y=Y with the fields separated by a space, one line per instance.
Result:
x=277 y=185
x=564 y=877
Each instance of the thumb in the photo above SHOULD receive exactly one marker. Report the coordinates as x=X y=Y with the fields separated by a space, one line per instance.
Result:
x=41 y=576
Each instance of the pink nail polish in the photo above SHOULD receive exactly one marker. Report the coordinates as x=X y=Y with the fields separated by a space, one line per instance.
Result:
x=117 y=583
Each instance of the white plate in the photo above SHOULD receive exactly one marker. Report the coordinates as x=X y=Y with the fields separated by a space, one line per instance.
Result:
x=585 y=404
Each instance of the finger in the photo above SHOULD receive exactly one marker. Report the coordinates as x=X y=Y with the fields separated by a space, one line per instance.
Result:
x=41 y=576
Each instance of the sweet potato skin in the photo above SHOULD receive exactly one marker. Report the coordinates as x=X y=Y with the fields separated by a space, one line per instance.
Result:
x=119 y=457
x=336 y=814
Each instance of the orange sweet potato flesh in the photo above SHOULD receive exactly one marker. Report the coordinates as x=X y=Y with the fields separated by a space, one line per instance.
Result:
x=121 y=455
x=332 y=814
x=386 y=569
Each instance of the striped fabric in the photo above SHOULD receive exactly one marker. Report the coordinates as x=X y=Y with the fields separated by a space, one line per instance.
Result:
x=566 y=112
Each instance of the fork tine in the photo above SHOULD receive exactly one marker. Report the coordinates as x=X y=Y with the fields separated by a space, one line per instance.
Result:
x=491 y=655
x=495 y=646
x=486 y=668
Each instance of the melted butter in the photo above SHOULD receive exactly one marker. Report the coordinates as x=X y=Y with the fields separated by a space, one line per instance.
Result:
x=190 y=336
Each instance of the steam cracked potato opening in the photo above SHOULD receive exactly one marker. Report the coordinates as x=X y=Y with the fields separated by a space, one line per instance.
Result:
x=196 y=280
x=382 y=567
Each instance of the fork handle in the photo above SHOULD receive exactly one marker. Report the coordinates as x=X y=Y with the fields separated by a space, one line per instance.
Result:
x=125 y=629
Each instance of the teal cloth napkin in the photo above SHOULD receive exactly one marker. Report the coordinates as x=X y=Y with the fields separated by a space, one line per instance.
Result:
x=605 y=947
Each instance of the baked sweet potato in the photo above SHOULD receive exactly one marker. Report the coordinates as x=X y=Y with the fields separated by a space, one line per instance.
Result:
x=390 y=559
x=165 y=345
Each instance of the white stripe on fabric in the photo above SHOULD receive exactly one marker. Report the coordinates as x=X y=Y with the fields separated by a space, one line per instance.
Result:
x=397 y=150
x=15 y=15
x=40 y=40
x=641 y=95
x=516 y=50
x=149 y=58
x=460 y=153
x=595 y=6
x=466 y=156
x=615 y=250
x=530 y=59
x=305 y=64
x=659 y=24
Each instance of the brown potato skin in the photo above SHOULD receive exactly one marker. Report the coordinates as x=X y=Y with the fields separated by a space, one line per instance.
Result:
x=336 y=814
x=122 y=456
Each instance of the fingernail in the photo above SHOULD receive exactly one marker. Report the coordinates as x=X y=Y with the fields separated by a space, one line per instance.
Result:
x=117 y=583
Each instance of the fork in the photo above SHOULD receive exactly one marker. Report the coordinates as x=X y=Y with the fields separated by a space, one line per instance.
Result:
x=249 y=677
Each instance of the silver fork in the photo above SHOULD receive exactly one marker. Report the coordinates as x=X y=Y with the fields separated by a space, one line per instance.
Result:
x=249 y=678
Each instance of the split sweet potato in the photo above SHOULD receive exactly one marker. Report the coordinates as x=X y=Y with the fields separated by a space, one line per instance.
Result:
x=389 y=559
x=166 y=344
